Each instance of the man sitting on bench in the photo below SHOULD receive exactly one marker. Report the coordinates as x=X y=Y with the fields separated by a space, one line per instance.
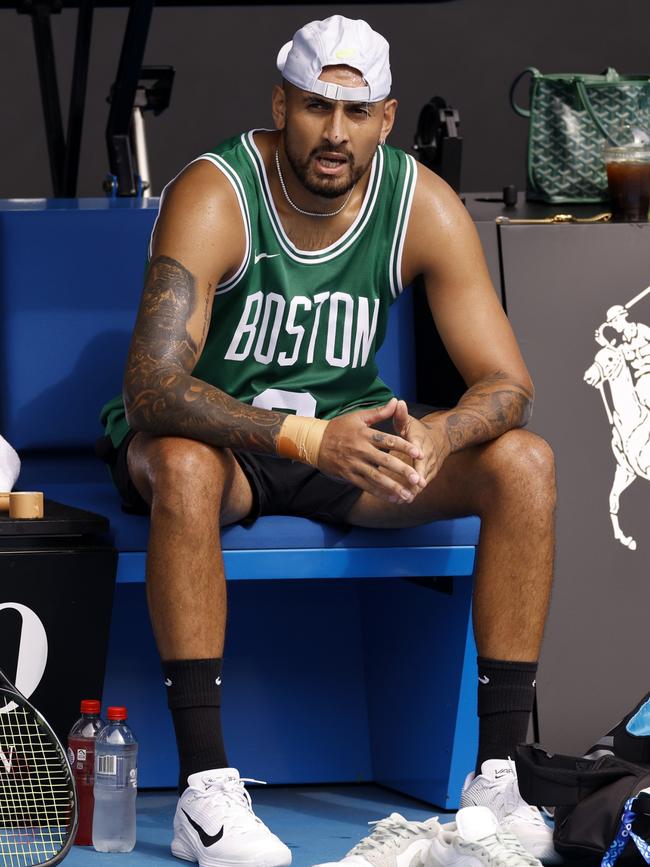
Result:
x=251 y=388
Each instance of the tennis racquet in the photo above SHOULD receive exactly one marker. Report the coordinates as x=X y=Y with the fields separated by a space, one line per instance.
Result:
x=38 y=800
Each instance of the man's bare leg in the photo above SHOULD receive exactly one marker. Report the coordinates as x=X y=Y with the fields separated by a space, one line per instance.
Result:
x=510 y=483
x=192 y=489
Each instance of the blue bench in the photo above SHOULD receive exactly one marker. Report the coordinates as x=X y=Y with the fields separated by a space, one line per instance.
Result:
x=335 y=671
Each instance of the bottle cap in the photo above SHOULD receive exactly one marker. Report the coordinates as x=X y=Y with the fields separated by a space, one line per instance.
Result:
x=90 y=705
x=115 y=713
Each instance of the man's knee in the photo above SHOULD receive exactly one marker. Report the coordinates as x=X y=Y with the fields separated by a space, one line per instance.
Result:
x=524 y=460
x=185 y=473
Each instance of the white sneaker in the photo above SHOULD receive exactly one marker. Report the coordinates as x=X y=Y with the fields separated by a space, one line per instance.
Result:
x=476 y=840
x=216 y=826
x=496 y=787
x=393 y=842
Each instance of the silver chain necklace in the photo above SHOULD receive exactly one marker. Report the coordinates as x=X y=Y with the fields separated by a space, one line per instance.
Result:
x=300 y=210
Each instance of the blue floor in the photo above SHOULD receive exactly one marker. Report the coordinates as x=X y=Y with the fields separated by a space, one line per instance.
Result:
x=318 y=823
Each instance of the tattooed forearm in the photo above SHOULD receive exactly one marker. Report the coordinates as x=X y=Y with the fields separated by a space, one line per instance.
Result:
x=160 y=394
x=488 y=409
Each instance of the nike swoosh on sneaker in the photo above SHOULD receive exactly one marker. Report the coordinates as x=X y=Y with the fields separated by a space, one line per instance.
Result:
x=206 y=839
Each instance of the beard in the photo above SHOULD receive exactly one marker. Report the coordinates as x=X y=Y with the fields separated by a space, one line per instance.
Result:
x=326 y=187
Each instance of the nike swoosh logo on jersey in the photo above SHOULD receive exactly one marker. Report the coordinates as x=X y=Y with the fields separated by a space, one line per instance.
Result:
x=206 y=839
x=259 y=256
x=484 y=679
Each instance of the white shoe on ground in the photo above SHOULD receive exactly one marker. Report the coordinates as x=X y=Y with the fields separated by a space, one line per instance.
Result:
x=216 y=826
x=475 y=839
x=496 y=787
x=393 y=842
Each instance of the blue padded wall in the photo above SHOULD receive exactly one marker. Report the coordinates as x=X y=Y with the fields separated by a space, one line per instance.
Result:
x=70 y=280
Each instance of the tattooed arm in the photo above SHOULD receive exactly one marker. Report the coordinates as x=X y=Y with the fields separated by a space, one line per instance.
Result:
x=198 y=242
x=488 y=408
x=442 y=245
x=161 y=395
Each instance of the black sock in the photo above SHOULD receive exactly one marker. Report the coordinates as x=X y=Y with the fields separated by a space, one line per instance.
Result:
x=194 y=698
x=506 y=692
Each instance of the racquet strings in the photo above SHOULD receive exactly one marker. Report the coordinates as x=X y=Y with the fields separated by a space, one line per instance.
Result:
x=35 y=789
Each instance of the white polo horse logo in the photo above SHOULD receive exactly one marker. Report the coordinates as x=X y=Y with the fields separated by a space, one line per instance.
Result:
x=624 y=363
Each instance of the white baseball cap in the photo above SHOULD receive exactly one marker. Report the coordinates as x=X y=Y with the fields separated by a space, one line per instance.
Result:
x=333 y=42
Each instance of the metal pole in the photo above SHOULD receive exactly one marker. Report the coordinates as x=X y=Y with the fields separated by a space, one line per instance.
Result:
x=41 y=25
x=78 y=97
x=140 y=146
x=124 y=90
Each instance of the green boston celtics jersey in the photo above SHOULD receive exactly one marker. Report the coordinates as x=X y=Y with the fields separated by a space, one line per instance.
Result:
x=297 y=330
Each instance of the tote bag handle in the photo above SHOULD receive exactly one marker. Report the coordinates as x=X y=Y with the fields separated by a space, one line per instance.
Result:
x=535 y=73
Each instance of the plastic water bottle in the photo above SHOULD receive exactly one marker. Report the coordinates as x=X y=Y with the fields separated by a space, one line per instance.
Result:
x=116 y=785
x=81 y=754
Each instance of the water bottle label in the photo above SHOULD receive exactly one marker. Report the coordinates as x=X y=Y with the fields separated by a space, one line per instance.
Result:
x=133 y=778
x=107 y=765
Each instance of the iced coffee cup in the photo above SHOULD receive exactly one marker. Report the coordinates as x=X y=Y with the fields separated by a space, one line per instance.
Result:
x=628 y=182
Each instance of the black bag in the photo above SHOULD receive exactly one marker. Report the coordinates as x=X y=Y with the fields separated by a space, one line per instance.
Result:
x=594 y=799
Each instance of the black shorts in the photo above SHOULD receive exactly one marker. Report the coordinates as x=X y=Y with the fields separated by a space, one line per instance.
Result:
x=280 y=486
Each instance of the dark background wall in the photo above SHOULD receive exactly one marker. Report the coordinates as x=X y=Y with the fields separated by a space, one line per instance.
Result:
x=465 y=50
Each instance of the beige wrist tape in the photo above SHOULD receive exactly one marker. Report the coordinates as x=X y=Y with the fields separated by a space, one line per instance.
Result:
x=300 y=438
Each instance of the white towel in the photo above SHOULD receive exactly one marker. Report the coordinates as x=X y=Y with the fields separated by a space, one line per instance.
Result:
x=9 y=466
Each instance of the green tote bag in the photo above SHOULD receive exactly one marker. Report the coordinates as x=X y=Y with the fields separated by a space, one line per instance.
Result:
x=571 y=119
